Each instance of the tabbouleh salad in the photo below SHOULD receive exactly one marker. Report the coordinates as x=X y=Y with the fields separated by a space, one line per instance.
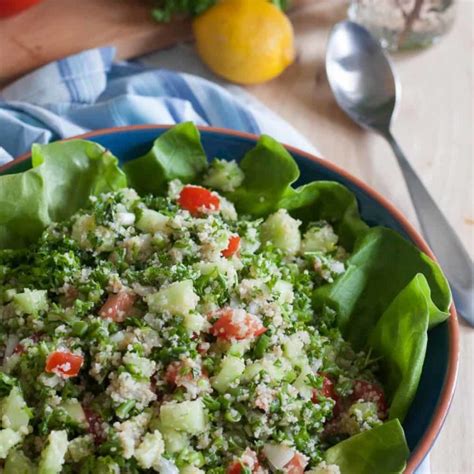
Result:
x=171 y=333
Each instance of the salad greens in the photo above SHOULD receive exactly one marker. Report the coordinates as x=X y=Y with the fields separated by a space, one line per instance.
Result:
x=166 y=9
x=363 y=293
x=370 y=285
x=177 y=154
x=63 y=177
x=381 y=449
x=400 y=339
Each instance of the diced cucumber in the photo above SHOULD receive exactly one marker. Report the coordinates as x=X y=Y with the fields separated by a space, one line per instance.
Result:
x=177 y=299
x=231 y=369
x=81 y=229
x=293 y=349
x=277 y=369
x=222 y=267
x=103 y=465
x=52 y=456
x=175 y=441
x=186 y=416
x=149 y=452
x=284 y=291
x=194 y=322
x=151 y=221
x=8 y=439
x=80 y=447
x=74 y=409
x=31 y=301
x=282 y=231
x=301 y=383
x=14 y=412
x=191 y=470
x=18 y=463
x=239 y=348
x=319 y=239
x=224 y=175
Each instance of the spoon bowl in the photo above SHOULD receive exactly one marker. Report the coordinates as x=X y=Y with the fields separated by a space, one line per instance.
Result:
x=361 y=76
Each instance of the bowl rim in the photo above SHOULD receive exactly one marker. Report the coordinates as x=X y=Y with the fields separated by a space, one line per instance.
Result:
x=447 y=393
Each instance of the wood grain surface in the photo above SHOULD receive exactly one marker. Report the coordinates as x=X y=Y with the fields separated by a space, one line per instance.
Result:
x=434 y=125
x=54 y=29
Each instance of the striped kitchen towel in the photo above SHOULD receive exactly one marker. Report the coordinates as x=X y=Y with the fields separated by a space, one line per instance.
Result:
x=88 y=91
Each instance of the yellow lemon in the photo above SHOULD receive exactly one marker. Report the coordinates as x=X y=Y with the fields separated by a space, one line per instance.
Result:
x=245 y=41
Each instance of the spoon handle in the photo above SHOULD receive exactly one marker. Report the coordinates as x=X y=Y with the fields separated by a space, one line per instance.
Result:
x=442 y=238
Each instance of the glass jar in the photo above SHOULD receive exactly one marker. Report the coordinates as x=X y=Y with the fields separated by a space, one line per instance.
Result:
x=404 y=24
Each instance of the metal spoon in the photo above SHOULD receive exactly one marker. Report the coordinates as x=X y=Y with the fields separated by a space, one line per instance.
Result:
x=364 y=85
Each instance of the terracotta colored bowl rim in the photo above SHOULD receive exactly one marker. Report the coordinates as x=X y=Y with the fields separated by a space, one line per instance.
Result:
x=447 y=393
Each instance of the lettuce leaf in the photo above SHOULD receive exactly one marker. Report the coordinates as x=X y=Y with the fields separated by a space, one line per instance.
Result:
x=176 y=154
x=269 y=171
x=382 y=265
x=63 y=177
x=330 y=201
x=381 y=450
x=400 y=339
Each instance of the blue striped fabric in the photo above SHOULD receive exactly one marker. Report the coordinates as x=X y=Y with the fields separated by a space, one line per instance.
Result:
x=88 y=91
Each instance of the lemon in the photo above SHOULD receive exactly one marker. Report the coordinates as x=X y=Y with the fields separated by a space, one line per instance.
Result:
x=245 y=41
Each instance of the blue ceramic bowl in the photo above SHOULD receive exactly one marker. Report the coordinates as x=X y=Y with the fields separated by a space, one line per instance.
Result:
x=436 y=388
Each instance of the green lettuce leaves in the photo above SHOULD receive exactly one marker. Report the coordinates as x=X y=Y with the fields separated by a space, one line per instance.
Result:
x=381 y=450
x=269 y=171
x=63 y=177
x=382 y=265
x=176 y=154
x=400 y=339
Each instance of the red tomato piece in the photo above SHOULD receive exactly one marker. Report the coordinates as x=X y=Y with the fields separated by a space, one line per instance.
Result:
x=238 y=325
x=251 y=462
x=197 y=200
x=118 y=306
x=95 y=425
x=234 y=468
x=328 y=391
x=12 y=7
x=19 y=349
x=296 y=464
x=370 y=392
x=232 y=247
x=64 y=364
x=174 y=373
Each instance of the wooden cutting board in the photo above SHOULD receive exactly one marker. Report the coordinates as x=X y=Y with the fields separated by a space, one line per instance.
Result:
x=54 y=29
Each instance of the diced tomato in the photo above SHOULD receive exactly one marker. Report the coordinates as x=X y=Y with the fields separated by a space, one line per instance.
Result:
x=203 y=347
x=370 y=392
x=296 y=465
x=95 y=425
x=234 y=468
x=118 y=306
x=19 y=349
x=251 y=462
x=12 y=7
x=178 y=373
x=328 y=391
x=232 y=247
x=64 y=364
x=174 y=373
x=237 y=326
x=197 y=200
